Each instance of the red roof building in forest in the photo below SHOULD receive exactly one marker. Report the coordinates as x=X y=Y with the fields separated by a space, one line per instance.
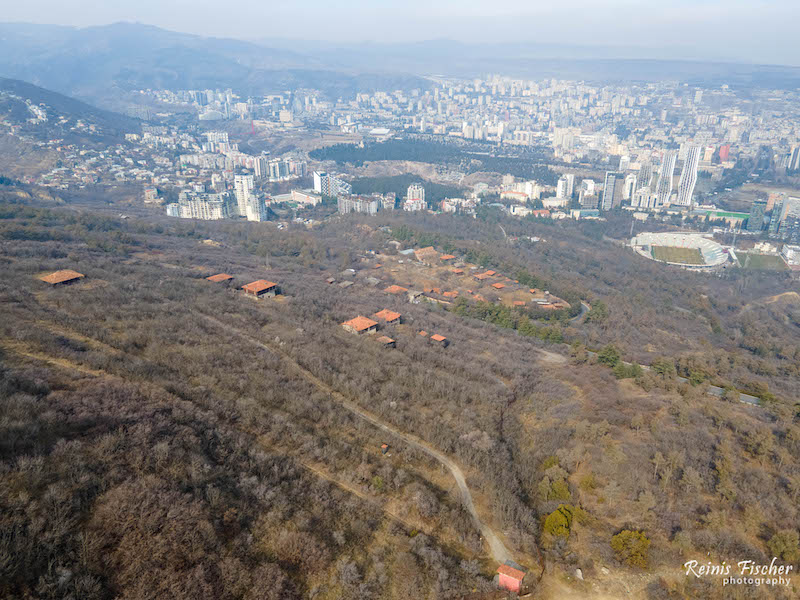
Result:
x=510 y=578
x=63 y=277
x=396 y=289
x=220 y=278
x=360 y=325
x=388 y=316
x=261 y=288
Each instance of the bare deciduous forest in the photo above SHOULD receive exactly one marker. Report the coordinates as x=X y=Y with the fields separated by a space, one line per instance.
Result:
x=150 y=448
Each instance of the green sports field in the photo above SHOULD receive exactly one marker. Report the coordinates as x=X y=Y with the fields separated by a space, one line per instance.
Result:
x=685 y=256
x=767 y=262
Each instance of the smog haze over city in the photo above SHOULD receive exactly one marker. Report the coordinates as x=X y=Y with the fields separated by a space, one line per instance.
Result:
x=400 y=300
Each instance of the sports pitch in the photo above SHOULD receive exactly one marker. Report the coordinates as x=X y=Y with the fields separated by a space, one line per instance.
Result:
x=684 y=256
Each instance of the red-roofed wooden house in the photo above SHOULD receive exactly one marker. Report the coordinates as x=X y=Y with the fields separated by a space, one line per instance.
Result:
x=64 y=277
x=360 y=325
x=510 y=578
x=261 y=288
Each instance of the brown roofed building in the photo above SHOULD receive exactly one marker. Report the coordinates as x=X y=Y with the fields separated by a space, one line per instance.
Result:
x=396 y=289
x=220 y=278
x=387 y=341
x=426 y=255
x=360 y=325
x=498 y=286
x=510 y=578
x=439 y=339
x=261 y=288
x=453 y=294
x=64 y=277
x=423 y=333
x=458 y=271
x=388 y=316
x=446 y=257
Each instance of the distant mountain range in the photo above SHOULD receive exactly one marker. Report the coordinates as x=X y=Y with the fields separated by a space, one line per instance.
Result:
x=105 y=62
x=622 y=64
x=96 y=62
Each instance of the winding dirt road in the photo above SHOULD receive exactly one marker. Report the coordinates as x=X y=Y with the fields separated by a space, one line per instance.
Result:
x=497 y=548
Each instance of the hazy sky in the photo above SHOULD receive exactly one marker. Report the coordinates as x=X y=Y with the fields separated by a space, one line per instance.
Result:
x=754 y=30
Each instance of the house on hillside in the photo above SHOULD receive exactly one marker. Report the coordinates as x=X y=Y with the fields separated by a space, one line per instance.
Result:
x=427 y=256
x=395 y=289
x=220 y=278
x=388 y=316
x=440 y=339
x=498 y=286
x=64 y=277
x=387 y=342
x=261 y=289
x=446 y=257
x=510 y=578
x=360 y=325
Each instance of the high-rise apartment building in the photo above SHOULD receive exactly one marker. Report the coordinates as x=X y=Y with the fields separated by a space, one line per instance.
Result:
x=330 y=185
x=645 y=175
x=630 y=187
x=415 y=192
x=613 y=190
x=755 y=221
x=243 y=188
x=794 y=160
x=688 y=177
x=256 y=209
x=665 y=174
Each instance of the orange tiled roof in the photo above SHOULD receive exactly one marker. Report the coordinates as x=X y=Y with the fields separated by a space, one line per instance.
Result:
x=220 y=277
x=360 y=323
x=61 y=276
x=458 y=271
x=498 y=286
x=519 y=303
x=387 y=315
x=446 y=257
x=423 y=332
x=511 y=572
x=438 y=338
x=452 y=294
x=258 y=286
x=384 y=339
x=396 y=289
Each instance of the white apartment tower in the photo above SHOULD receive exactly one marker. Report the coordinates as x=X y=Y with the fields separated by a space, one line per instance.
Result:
x=664 y=185
x=630 y=187
x=416 y=192
x=243 y=188
x=688 y=177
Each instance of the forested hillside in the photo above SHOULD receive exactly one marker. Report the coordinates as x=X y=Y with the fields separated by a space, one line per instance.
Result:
x=165 y=436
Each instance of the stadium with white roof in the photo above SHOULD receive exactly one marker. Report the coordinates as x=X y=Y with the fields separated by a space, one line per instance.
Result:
x=688 y=250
